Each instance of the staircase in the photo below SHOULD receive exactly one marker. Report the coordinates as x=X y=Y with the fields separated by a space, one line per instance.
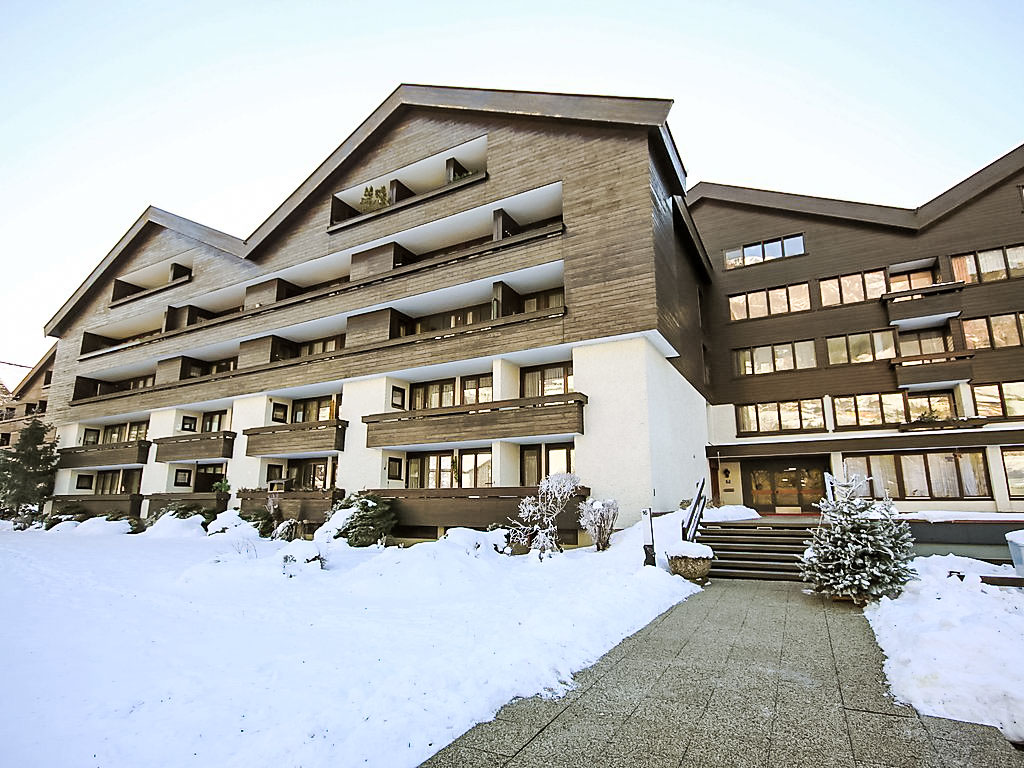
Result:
x=757 y=549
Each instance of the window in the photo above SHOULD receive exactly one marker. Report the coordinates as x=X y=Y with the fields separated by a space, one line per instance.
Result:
x=851 y=289
x=997 y=331
x=214 y=421
x=5 y=439
x=139 y=382
x=861 y=347
x=432 y=394
x=774 y=301
x=183 y=478
x=193 y=369
x=930 y=342
x=786 y=356
x=7 y=414
x=1013 y=463
x=394 y=466
x=477 y=389
x=137 y=430
x=90 y=436
x=475 y=469
x=544 y=300
x=275 y=472
x=312 y=409
x=554 y=379
x=767 y=250
x=559 y=458
x=189 y=423
x=308 y=474
x=990 y=265
x=113 y=433
x=934 y=474
x=279 y=413
x=84 y=482
x=906 y=281
x=998 y=401
x=930 y=407
x=108 y=482
x=207 y=475
x=529 y=466
x=785 y=416
x=430 y=470
x=398 y=398
x=320 y=346
x=890 y=408
x=443 y=321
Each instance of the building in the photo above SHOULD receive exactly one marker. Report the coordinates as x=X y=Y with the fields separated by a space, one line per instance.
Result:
x=29 y=400
x=478 y=288
x=868 y=339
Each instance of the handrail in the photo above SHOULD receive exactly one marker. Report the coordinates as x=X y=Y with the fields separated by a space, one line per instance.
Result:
x=299 y=426
x=105 y=446
x=910 y=293
x=932 y=357
x=464 y=493
x=189 y=438
x=494 y=405
x=151 y=291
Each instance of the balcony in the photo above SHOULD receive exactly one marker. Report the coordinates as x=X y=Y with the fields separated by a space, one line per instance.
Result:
x=310 y=508
x=208 y=445
x=106 y=455
x=420 y=510
x=523 y=417
x=309 y=437
x=963 y=422
x=924 y=307
x=940 y=369
x=99 y=504
x=218 y=502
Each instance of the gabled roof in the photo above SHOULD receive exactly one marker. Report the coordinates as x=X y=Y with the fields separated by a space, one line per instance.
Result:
x=913 y=219
x=607 y=110
x=44 y=361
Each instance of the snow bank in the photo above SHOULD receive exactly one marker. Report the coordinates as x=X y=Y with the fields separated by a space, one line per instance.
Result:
x=729 y=512
x=1017 y=537
x=953 y=648
x=100 y=526
x=208 y=655
x=944 y=516
x=688 y=549
x=229 y=522
x=171 y=527
x=329 y=530
x=6 y=525
x=66 y=527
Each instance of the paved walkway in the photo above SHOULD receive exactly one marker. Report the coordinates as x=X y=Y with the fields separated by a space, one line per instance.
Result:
x=746 y=673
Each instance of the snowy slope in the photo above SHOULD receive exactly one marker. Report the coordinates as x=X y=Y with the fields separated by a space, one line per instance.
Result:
x=131 y=650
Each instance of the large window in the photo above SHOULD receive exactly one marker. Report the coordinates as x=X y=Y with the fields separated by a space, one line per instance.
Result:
x=861 y=347
x=477 y=389
x=991 y=265
x=785 y=416
x=786 y=356
x=214 y=421
x=1004 y=400
x=306 y=474
x=1013 y=463
x=319 y=346
x=432 y=394
x=113 y=433
x=766 y=250
x=853 y=288
x=891 y=408
x=536 y=461
x=773 y=301
x=996 y=331
x=431 y=470
x=312 y=409
x=931 y=475
x=137 y=430
x=905 y=281
x=475 y=469
x=554 y=379
x=544 y=300
x=930 y=342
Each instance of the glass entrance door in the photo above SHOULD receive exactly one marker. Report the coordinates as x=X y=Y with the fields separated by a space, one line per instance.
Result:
x=783 y=485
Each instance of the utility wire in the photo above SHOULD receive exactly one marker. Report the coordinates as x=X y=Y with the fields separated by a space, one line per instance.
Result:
x=16 y=365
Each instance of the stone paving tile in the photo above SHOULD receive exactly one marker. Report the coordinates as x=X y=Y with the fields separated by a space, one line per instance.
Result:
x=746 y=674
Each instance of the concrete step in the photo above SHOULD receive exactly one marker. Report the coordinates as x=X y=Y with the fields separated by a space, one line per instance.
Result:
x=739 y=546
x=760 y=524
x=735 y=554
x=729 y=573
x=713 y=539
x=754 y=565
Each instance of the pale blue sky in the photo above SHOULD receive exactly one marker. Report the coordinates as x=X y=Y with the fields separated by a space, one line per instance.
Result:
x=216 y=111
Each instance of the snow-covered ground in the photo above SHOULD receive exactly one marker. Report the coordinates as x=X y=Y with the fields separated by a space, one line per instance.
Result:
x=172 y=648
x=954 y=648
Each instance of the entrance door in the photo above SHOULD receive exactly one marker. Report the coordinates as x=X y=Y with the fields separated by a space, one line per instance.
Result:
x=781 y=486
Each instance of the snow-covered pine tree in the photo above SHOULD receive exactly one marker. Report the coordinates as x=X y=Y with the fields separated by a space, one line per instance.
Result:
x=26 y=474
x=860 y=550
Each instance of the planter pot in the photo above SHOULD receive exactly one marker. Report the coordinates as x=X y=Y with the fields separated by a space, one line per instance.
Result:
x=693 y=569
x=1016 y=553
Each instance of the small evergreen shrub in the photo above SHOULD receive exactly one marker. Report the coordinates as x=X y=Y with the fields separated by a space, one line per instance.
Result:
x=371 y=520
x=860 y=550
x=137 y=525
x=181 y=510
x=288 y=530
x=598 y=518
x=263 y=520
x=374 y=199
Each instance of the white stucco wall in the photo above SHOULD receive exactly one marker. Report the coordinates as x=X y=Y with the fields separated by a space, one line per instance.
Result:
x=246 y=471
x=358 y=466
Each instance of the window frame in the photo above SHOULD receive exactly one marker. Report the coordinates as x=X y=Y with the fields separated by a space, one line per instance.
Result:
x=924 y=454
x=1006 y=472
x=84 y=482
x=773 y=358
x=567 y=378
x=778 y=411
x=841 y=282
x=183 y=478
x=760 y=246
x=787 y=289
x=871 y=334
x=1001 y=387
x=189 y=423
x=394 y=467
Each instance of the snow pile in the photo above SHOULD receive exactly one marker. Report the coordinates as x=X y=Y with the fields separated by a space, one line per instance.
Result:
x=953 y=648
x=689 y=549
x=66 y=527
x=331 y=530
x=728 y=512
x=475 y=543
x=171 y=527
x=1017 y=537
x=230 y=523
x=944 y=516
x=100 y=526
x=208 y=654
x=6 y=526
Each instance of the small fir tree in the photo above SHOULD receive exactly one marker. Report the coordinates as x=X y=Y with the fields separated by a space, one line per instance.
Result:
x=860 y=550
x=371 y=521
x=537 y=526
x=27 y=471
x=374 y=199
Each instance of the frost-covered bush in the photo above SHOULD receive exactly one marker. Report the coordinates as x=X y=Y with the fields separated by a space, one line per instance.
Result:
x=537 y=523
x=598 y=518
x=370 y=521
x=860 y=550
x=288 y=530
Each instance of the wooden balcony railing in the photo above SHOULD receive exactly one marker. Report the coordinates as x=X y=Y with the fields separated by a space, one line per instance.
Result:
x=522 y=417
x=104 y=455
x=932 y=368
x=100 y=503
x=942 y=300
x=303 y=437
x=205 y=445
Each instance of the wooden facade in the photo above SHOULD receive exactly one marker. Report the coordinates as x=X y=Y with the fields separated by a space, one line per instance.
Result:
x=134 y=452
x=304 y=437
x=208 y=445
